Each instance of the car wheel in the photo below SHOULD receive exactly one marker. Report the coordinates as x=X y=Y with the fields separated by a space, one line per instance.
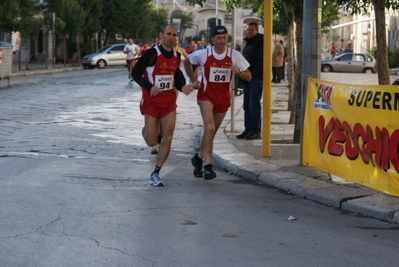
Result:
x=101 y=64
x=368 y=71
x=326 y=68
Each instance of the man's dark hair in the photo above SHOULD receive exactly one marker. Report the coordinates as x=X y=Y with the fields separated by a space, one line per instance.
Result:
x=164 y=28
x=253 y=23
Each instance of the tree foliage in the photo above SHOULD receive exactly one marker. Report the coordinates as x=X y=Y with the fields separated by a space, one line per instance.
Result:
x=16 y=15
x=186 y=22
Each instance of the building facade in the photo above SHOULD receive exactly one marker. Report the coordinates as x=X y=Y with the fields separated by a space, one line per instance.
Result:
x=211 y=14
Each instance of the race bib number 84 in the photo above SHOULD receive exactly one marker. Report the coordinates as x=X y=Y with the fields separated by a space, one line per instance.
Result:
x=219 y=75
x=164 y=82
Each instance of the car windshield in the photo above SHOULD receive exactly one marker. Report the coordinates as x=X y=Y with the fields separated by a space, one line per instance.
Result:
x=103 y=49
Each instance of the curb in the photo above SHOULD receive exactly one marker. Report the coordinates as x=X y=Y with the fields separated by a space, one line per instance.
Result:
x=43 y=71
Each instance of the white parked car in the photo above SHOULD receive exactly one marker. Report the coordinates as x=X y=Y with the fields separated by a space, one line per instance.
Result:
x=110 y=55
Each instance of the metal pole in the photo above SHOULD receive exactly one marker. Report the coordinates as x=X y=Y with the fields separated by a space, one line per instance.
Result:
x=267 y=78
x=233 y=34
x=54 y=45
x=310 y=53
x=216 y=15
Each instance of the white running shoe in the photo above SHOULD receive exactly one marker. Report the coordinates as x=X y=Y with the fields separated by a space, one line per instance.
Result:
x=155 y=180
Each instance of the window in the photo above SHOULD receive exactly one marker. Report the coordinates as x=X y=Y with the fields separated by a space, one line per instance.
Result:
x=347 y=57
x=359 y=58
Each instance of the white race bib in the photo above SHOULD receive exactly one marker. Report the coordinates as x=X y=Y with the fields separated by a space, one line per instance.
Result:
x=219 y=75
x=164 y=82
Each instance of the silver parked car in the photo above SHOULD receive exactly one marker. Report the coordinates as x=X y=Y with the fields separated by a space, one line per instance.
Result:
x=350 y=62
x=108 y=55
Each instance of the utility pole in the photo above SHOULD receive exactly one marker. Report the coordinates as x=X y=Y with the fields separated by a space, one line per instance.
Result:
x=310 y=51
x=54 y=41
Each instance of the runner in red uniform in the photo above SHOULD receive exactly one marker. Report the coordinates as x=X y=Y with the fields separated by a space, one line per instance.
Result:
x=158 y=74
x=219 y=63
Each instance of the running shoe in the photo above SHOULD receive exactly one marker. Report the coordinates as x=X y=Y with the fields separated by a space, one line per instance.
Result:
x=209 y=173
x=197 y=164
x=154 y=150
x=155 y=180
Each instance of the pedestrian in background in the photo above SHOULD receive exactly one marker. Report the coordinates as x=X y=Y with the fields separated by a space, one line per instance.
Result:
x=285 y=58
x=181 y=50
x=131 y=51
x=144 y=48
x=277 y=61
x=158 y=103
x=253 y=53
x=219 y=63
x=333 y=50
x=191 y=49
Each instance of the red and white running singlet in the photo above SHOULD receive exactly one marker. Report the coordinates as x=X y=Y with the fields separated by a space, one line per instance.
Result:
x=162 y=75
x=216 y=79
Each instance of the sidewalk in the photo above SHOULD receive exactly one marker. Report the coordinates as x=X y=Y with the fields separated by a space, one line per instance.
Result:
x=40 y=69
x=281 y=170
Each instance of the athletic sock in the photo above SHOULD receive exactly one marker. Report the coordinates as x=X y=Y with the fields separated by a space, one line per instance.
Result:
x=157 y=169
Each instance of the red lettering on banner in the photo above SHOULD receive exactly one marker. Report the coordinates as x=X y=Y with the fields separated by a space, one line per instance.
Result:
x=335 y=147
x=324 y=132
x=325 y=92
x=375 y=146
x=394 y=148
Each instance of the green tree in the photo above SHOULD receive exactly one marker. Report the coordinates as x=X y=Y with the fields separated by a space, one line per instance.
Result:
x=93 y=12
x=9 y=12
x=186 y=22
x=153 y=24
x=131 y=18
x=72 y=15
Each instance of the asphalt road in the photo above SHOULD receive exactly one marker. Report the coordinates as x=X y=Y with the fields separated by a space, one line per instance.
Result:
x=74 y=191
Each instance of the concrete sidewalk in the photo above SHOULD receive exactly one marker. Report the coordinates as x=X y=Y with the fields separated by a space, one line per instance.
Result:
x=40 y=69
x=281 y=170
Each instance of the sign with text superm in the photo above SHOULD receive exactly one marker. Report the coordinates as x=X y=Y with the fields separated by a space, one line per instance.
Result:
x=352 y=131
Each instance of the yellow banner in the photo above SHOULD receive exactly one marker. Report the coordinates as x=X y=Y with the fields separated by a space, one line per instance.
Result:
x=352 y=131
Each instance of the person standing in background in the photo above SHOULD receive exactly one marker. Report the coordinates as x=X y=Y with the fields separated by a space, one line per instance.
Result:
x=144 y=48
x=333 y=50
x=253 y=53
x=285 y=57
x=277 y=61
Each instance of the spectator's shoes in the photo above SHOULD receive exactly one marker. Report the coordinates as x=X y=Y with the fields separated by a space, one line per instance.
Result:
x=155 y=180
x=252 y=137
x=242 y=135
x=197 y=164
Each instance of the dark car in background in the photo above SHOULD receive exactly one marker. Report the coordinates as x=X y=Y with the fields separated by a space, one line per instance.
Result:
x=106 y=56
x=350 y=62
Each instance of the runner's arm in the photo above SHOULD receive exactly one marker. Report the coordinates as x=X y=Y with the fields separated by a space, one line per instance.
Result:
x=141 y=65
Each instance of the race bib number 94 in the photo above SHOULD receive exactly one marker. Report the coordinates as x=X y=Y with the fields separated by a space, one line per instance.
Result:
x=219 y=75
x=164 y=82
